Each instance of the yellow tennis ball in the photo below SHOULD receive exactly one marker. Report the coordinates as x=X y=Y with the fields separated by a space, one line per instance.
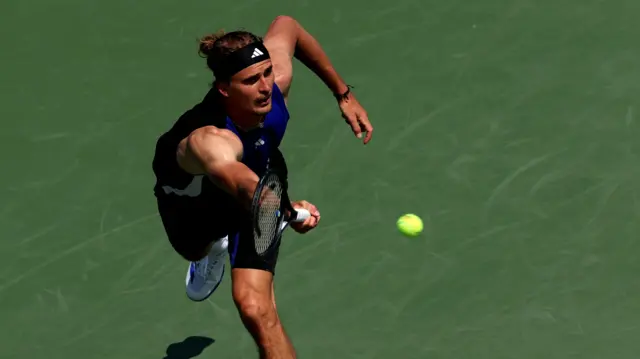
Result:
x=410 y=225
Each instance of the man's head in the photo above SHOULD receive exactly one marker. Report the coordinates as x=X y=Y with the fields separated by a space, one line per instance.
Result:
x=243 y=70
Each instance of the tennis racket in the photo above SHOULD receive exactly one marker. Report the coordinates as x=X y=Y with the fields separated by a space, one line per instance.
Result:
x=272 y=212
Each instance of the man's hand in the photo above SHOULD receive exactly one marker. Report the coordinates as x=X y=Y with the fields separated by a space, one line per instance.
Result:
x=355 y=115
x=309 y=223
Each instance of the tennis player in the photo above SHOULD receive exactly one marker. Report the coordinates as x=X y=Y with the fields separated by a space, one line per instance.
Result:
x=208 y=164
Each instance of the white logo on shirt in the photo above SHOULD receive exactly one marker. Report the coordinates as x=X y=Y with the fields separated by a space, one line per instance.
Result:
x=194 y=189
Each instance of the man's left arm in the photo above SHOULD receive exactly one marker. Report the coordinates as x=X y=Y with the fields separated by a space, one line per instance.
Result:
x=286 y=39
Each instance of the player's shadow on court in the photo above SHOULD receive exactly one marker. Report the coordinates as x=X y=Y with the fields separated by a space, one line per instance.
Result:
x=188 y=348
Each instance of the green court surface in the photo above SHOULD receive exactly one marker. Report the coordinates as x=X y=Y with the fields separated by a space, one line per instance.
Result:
x=510 y=126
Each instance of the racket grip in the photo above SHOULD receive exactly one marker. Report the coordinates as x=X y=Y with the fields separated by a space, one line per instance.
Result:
x=302 y=215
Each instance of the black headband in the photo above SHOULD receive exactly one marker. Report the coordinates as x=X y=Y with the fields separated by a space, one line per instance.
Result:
x=240 y=59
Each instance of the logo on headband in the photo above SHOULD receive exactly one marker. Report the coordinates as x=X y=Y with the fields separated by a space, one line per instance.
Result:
x=256 y=53
x=240 y=59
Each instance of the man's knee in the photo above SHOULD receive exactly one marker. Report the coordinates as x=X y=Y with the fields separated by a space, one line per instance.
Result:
x=257 y=309
x=253 y=296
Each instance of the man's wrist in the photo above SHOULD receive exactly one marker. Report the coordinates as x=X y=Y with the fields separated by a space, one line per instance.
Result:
x=343 y=94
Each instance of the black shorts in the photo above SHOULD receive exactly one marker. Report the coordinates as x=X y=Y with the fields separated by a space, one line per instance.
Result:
x=192 y=225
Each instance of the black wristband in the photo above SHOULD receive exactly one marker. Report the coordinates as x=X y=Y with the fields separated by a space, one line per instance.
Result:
x=343 y=96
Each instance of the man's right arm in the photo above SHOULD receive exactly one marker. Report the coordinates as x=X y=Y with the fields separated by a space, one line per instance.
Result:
x=216 y=153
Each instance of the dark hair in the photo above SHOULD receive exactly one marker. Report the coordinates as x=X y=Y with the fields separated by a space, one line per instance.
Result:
x=214 y=47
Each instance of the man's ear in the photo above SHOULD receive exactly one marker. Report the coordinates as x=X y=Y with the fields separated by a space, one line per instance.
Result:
x=222 y=87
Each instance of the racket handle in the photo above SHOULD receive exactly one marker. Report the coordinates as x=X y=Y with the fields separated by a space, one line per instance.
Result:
x=302 y=215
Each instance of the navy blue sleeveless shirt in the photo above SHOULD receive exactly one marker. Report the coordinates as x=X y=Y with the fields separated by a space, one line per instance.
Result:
x=260 y=149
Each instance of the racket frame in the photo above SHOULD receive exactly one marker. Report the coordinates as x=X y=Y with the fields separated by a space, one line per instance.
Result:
x=287 y=212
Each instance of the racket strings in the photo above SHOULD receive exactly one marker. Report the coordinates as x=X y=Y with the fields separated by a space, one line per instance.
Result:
x=269 y=216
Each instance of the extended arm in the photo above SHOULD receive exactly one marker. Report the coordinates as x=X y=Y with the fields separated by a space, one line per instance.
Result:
x=217 y=153
x=287 y=39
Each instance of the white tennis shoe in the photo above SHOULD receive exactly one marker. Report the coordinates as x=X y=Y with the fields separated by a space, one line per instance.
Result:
x=204 y=276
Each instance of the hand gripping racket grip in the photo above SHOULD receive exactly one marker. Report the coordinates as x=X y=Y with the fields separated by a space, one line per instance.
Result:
x=302 y=214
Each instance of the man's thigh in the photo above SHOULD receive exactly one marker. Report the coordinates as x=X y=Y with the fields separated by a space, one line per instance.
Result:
x=251 y=274
x=242 y=252
x=191 y=227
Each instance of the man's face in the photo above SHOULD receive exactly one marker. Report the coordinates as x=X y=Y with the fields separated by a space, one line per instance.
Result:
x=250 y=89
